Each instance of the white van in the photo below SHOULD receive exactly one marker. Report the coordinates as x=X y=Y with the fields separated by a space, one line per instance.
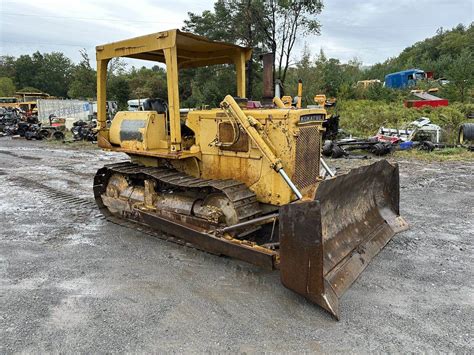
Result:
x=136 y=104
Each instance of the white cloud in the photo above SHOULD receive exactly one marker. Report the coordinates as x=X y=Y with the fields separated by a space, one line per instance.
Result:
x=374 y=30
x=371 y=30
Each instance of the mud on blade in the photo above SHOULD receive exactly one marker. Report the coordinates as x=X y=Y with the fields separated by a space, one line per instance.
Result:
x=325 y=243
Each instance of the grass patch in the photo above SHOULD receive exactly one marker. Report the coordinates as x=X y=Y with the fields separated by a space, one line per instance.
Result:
x=70 y=143
x=446 y=154
x=363 y=118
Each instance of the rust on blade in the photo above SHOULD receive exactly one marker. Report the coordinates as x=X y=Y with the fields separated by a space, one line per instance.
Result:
x=326 y=243
x=301 y=254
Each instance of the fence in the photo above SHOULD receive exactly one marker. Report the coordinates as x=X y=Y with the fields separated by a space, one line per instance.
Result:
x=77 y=109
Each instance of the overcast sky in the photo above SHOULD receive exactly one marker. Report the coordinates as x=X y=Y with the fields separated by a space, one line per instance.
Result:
x=371 y=30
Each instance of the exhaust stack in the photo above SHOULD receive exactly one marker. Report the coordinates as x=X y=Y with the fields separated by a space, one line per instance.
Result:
x=268 y=93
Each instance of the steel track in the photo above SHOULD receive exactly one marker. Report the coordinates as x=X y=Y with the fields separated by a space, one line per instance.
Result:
x=245 y=201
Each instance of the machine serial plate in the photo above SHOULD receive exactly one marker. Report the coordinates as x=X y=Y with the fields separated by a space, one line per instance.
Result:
x=312 y=118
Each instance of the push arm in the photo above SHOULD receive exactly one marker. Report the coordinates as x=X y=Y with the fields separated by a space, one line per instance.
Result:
x=249 y=124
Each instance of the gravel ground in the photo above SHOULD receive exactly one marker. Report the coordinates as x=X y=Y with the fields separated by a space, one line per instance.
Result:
x=73 y=282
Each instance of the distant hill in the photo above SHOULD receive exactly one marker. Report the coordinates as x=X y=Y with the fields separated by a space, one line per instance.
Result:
x=432 y=54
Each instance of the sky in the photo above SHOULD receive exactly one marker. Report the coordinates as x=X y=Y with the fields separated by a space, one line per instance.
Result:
x=370 y=30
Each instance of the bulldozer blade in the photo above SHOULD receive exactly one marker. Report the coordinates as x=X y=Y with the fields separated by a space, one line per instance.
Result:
x=326 y=242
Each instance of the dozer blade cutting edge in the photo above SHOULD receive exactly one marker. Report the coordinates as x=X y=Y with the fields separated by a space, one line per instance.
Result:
x=326 y=242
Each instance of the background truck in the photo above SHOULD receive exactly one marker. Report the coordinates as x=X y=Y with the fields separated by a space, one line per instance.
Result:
x=404 y=79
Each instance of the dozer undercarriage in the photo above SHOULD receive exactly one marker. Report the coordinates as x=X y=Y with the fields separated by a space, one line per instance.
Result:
x=193 y=210
x=320 y=245
x=240 y=180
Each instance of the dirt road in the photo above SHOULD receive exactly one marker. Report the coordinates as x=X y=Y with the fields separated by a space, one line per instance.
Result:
x=71 y=281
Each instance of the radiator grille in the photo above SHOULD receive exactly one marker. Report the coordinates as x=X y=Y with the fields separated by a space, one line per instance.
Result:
x=307 y=157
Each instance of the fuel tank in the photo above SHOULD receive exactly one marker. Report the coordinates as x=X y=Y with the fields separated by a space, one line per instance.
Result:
x=139 y=130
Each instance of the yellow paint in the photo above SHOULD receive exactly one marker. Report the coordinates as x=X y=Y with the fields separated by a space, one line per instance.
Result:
x=177 y=50
x=240 y=60
x=287 y=100
x=278 y=103
x=273 y=132
x=173 y=97
x=366 y=83
x=153 y=131
x=300 y=94
x=320 y=99
x=281 y=126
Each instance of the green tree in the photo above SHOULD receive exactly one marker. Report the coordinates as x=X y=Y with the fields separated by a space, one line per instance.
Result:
x=209 y=85
x=324 y=75
x=83 y=79
x=145 y=82
x=272 y=25
x=431 y=54
x=118 y=82
x=49 y=72
x=282 y=22
x=116 y=66
x=304 y=70
x=7 y=87
x=54 y=74
x=7 y=66
x=215 y=25
x=461 y=75
x=231 y=21
x=25 y=71
x=118 y=89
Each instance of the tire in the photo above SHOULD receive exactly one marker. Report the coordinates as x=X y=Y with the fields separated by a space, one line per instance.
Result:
x=76 y=132
x=466 y=133
x=427 y=146
x=29 y=135
x=337 y=152
x=380 y=149
x=44 y=134
x=58 y=135
x=22 y=128
x=91 y=137
x=327 y=149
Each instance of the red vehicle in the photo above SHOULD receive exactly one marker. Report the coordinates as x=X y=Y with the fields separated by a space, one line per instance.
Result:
x=426 y=100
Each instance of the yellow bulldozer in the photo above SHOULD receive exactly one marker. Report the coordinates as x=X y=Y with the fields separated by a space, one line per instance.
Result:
x=241 y=181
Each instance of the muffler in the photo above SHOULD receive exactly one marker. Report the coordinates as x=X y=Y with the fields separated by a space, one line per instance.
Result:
x=326 y=242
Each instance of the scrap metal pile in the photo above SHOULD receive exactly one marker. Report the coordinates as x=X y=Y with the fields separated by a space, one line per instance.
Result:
x=9 y=120
x=14 y=122
x=343 y=148
x=420 y=134
x=84 y=131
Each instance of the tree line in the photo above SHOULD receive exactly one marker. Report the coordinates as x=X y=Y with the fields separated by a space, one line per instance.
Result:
x=265 y=26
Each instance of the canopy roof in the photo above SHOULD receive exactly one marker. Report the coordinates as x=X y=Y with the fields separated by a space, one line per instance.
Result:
x=192 y=50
